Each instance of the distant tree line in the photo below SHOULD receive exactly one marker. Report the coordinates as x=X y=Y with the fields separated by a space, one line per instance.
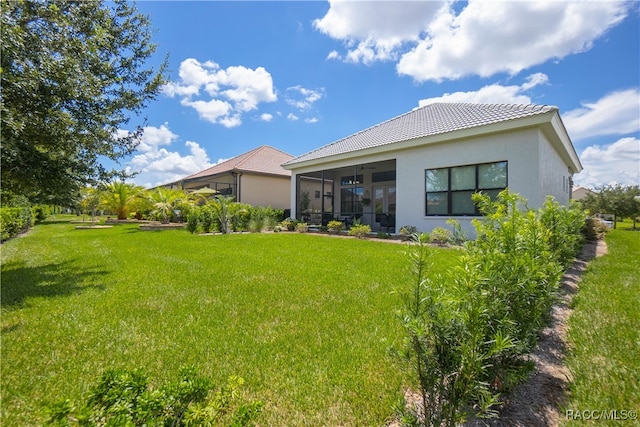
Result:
x=617 y=200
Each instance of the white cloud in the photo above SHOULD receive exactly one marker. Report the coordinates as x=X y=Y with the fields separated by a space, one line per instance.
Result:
x=617 y=163
x=311 y=120
x=228 y=93
x=433 y=41
x=157 y=165
x=266 y=117
x=303 y=98
x=214 y=110
x=375 y=30
x=292 y=117
x=333 y=55
x=617 y=113
x=493 y=94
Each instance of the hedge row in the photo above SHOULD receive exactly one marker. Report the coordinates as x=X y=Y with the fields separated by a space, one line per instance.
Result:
x=14 y=220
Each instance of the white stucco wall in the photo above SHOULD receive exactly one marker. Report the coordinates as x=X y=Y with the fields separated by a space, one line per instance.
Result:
x=534 y=170
x=554 y=175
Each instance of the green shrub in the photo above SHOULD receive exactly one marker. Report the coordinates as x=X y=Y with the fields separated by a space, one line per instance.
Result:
x=289 y=224
x=14 y=220
x=448 y=342
x=441 y=236
x=41 y=212
x=408 y=230
x=466 y=338
x=302 y=227
x=124 y=398
x=194 y=218
x=335 y=226
x=359 y=230
x=565 y=226
x=459 y=235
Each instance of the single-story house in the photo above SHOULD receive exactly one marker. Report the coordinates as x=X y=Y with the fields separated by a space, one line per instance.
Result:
x=580 y=193
x=422 y=167
x=255 y=177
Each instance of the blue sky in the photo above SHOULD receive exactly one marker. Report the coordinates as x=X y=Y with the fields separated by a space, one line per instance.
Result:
x=298 y=75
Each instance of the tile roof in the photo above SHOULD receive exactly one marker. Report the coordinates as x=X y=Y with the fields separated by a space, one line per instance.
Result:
x=432 y=119
x=263 y=160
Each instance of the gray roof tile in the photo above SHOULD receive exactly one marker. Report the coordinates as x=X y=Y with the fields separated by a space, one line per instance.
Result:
x=432 y=119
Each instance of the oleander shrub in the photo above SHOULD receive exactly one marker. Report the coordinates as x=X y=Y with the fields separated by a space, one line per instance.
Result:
x=448 y=343
x=467 y=330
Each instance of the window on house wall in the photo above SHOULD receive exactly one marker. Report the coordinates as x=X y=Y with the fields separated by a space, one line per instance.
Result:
x=383 y=176
x=351 y=180
x=449 y=190
x=351 y=200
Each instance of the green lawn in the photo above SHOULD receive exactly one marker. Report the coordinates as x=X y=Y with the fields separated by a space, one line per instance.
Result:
x=604 y=333
x=306 y=320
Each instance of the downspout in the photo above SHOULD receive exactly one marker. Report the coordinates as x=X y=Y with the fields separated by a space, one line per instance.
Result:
x=322 y=209
x=238 y=180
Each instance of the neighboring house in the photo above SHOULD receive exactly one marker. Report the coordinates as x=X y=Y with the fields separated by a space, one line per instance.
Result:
x=422 y=167
x=580 y=193
x=255 y=177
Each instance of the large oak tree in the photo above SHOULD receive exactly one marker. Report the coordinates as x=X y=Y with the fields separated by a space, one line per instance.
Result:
x=73 y=74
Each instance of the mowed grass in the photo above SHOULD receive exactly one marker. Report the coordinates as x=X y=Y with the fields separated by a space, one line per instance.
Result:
x=306 y=320
x=604 y=332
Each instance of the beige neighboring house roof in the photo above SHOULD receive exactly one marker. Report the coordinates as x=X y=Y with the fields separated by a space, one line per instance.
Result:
x=262 y=160
x=442 y=121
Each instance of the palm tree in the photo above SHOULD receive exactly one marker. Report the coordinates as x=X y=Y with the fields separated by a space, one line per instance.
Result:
x=164 y=202
x=119 y=196
x=226 y=209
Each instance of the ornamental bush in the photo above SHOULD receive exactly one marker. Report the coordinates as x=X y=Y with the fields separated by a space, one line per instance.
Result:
x=467 y=330
x=15 y=216
x=359 y=230
x=124 y=398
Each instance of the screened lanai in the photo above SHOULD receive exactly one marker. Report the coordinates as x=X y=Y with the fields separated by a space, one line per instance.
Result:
x=365 y=193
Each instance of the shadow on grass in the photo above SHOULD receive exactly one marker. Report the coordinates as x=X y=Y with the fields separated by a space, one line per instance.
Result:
x=20 y=282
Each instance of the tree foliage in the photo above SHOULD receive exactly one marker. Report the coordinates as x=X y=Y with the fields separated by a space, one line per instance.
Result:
x=73 y=74
x=119 y=197
x=618 y=200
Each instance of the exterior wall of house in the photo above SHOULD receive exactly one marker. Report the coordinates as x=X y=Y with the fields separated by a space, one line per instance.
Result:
x=535 y=170
x=555 y=178
x=523 y=150
x=264 y=190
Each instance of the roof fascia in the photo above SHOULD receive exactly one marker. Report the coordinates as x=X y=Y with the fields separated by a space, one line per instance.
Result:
x=557 y=134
